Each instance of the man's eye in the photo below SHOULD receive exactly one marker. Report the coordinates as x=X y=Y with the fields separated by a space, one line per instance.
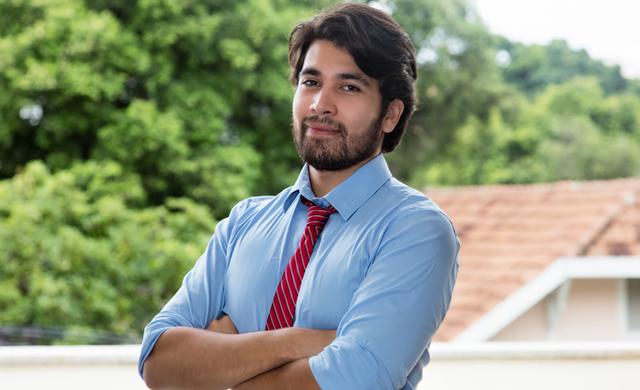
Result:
x=351 y=88
x=309 y=83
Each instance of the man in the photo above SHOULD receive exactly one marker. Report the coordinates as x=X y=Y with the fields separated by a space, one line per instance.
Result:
x=340 y=281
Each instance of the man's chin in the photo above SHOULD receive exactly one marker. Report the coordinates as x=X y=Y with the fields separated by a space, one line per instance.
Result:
x=330 y=165
x=337 y=164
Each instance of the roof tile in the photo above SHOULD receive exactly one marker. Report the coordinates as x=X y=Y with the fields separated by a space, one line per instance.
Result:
x=511 y=233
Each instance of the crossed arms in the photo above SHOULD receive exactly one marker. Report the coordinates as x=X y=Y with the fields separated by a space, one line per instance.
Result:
x=379 y=342
x=220 y=358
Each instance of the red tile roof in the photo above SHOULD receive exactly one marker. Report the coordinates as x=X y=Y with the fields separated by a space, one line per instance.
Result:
x=511 y=233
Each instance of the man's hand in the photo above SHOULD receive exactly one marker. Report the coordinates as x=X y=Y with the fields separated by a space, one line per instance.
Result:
x=223 y=325
x=314 y=340
x=296 y=374
x=219 y=357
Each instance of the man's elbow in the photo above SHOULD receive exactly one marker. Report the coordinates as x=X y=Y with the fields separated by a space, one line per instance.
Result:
x=150 y=375
x=156 y=375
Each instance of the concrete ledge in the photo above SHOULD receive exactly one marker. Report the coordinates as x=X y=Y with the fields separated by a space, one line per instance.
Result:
x=535 y=350
x=69 y=355
x=128 y=354
x=454 y=366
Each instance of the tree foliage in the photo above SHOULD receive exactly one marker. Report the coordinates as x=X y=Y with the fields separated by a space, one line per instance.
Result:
x=191 y=96
x=148 y=118
x=569 y=131
x=533 y=67
x=76 y=253
x=457 y=77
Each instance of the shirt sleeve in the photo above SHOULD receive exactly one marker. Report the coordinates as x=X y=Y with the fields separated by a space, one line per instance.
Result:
x=396 y=309
x=200 y=298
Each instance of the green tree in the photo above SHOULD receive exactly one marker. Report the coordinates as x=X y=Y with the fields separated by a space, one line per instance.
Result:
x=577 y=149
x=569 y=131
x=135 y=111
x=458 y=78
x=534 y=67
x=485 y=152
x=619 y=114
x=191 y=96
x=76 y=254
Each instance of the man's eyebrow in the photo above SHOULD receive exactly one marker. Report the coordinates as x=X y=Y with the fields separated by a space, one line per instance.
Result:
x=360 y=77
x=309 y=72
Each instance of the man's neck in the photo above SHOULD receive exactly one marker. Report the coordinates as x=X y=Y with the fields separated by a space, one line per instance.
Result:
x=322 y=182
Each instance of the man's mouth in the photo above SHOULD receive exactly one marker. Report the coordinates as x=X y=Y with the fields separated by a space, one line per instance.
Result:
x=317 y=128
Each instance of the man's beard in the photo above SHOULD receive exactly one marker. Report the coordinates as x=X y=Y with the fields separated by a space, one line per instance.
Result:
x=337 y=152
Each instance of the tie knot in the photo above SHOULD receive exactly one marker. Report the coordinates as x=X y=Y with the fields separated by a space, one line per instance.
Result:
x=317 y=215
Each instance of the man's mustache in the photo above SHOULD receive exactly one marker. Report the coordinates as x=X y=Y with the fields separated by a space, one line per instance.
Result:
x=325 y=121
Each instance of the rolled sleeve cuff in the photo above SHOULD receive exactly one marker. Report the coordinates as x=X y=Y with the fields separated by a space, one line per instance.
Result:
x=345 y=364
x=151 y=336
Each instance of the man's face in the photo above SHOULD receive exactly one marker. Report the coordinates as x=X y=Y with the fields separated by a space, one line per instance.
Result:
x=336 y=110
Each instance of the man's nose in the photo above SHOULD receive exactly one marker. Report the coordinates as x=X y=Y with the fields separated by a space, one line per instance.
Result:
x=323 y=103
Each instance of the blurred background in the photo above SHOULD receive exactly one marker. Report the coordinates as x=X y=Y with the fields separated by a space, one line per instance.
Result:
x=128 y=128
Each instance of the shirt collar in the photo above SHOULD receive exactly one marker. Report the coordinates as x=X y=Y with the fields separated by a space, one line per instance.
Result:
x=349 y=195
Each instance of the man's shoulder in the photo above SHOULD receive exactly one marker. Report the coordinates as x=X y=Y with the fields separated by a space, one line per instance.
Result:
x=407 y=198
x=409 y=217
x=257 y=205
x=252 y=203
x=410 y=204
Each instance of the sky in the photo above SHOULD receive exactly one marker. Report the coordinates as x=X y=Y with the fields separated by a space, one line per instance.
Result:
x=608 y=29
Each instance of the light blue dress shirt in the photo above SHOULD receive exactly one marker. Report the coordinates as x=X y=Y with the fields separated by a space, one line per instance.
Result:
x=381 y=274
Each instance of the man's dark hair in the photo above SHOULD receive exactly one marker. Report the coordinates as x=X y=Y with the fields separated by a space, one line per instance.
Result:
x=379 y=46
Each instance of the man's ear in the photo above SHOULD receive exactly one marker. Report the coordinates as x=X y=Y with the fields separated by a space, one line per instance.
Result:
x=391 y=118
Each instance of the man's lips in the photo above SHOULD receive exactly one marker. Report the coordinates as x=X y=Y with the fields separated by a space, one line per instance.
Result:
x=321 y=127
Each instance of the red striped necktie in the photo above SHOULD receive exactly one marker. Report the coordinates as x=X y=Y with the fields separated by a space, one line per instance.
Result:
x=284 y=301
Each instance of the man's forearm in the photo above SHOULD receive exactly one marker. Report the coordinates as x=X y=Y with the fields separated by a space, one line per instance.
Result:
x=295 y=375
x=196 y=358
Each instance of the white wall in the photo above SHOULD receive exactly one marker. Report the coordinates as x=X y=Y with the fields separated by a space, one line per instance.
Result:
x=594 y=310
x=70 y=367
x=533 y=366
